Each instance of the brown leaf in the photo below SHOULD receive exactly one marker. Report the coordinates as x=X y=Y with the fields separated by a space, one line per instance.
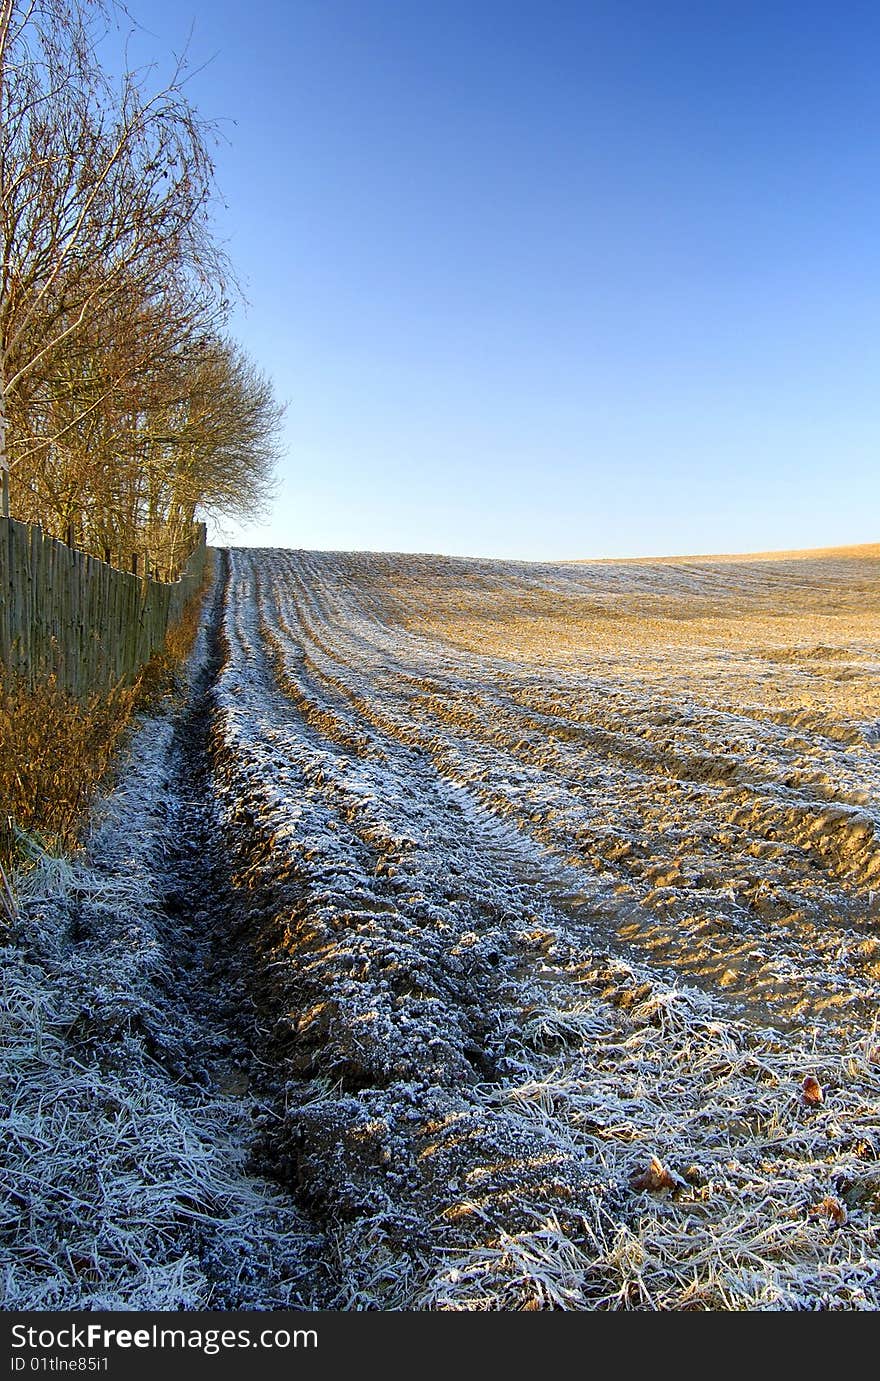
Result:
x=811 y=1092
x=656 y=1177
x=830 y=1208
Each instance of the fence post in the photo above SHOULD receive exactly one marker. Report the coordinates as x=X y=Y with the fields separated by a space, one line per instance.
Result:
x=4 y=487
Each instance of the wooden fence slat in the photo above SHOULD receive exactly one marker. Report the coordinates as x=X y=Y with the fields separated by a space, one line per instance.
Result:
x=70 y=615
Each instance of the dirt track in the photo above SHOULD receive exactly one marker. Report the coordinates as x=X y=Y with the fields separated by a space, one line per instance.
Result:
x=498 y=914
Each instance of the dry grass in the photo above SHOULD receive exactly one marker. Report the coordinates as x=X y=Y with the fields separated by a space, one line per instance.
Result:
x=57 y=753
x=164 y=671
x=54 y=754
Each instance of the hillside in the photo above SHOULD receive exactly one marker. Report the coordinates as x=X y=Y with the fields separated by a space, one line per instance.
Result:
x=523 y=920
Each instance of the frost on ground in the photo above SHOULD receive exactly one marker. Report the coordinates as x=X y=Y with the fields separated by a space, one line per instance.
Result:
x=528 y=947
x=123 y=1175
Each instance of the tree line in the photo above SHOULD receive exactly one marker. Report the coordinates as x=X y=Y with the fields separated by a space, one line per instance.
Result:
x=126 y=408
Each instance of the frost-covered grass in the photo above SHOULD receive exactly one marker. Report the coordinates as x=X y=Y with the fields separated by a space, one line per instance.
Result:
x=497 y=821
x=116 y=1192
x=122 y=1171
x=557 y=890
x=757 y=1200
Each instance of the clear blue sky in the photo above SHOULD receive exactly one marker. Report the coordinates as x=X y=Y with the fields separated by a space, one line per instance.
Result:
x=549 y=279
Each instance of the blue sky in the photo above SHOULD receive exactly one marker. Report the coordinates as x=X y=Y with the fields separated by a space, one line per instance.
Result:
x=554 y=280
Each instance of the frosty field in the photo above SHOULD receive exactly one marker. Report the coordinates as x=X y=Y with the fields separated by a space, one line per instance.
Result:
x=518 y=926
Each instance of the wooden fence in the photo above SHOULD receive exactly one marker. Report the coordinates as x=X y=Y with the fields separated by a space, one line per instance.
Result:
x=72 y=616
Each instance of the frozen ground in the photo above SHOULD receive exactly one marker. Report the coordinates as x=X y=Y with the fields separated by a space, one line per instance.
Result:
x=526 y=916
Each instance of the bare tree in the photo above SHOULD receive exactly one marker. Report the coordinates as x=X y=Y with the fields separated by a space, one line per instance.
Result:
x=118 y=394
x=219 y=442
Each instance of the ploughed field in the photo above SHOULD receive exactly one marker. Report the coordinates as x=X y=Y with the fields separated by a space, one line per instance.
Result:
x=562 y=888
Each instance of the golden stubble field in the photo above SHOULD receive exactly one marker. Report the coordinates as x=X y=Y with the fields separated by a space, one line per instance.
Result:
x=713 y=727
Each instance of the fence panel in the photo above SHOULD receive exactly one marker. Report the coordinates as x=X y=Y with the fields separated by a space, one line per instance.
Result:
x=72 y=616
